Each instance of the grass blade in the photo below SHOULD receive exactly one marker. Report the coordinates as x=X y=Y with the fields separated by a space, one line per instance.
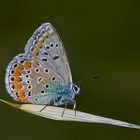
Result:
x=55 y=113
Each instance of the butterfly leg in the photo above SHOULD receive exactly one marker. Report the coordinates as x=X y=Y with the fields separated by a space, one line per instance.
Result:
x=64 y=110
x=43 y=108
x=74 y=105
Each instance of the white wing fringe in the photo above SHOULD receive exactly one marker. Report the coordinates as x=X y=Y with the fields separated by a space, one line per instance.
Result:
x=55 y=113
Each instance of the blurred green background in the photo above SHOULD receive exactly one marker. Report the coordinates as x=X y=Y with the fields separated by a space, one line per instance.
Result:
x=100 y=37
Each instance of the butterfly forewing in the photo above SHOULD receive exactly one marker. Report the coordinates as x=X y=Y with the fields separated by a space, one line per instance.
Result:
x=46 y=45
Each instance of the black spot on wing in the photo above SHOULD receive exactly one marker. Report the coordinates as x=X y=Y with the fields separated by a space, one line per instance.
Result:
x=55 y=57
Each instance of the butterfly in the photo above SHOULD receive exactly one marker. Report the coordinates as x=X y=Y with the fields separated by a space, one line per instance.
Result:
x=42 y=74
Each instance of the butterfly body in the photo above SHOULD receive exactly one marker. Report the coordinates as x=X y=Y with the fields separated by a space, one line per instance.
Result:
x=42 y=74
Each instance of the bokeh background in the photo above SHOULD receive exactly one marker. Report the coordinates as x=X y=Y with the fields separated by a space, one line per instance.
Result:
x=101 y=37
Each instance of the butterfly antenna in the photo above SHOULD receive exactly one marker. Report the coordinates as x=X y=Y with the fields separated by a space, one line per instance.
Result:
x=86 y=79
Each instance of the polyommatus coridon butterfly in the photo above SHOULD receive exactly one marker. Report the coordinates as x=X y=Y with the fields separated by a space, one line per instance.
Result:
x=42 y=74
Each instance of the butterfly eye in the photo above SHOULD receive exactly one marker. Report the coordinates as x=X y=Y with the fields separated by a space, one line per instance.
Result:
x=76 y=89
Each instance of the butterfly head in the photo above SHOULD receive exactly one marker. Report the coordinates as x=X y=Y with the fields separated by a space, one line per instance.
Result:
x=76 y=89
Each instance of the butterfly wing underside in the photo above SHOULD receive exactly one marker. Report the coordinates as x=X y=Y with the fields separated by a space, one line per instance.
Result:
x=42 y=72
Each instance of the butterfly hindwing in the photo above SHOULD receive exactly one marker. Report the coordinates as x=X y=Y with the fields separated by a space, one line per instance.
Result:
x=29 y=80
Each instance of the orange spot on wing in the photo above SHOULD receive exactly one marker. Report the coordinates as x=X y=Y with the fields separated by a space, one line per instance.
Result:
x=46 y=34
x=17 y=79
x=39 y=45
x=27 y=64
x=17 y=87
x=35 y=52
x=17 y=73
x=35 y=62
x=41 y=40
x=22 y=95
x=19 y=67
